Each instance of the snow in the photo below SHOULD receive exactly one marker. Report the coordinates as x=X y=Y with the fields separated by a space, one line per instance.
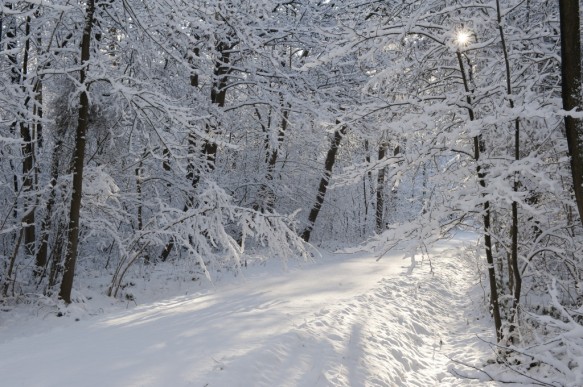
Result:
x=345 y=320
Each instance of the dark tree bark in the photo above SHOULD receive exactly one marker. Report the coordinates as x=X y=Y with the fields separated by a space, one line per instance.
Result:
x=265 y=194
x=18 y=77
x=139 y=198
x=15 y=80
x=380 y=205
x=380 y=223
x=8 y=278
x=27 y=147
x=55 y=257
x=571 y=91
x=324 y=181
x=516 y=279
x=218 y=98
x=38 y=94
x=209 y=148
x=78 y=161
x=479 y=148
x=365 y=189
x=46 y=225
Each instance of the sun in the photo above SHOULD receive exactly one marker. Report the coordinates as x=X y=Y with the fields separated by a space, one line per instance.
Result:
x=462 y=38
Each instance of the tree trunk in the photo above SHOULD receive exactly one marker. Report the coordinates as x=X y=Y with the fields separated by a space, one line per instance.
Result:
x=571 y=91
x=479 y=148
x=380 y=205
x=8 y=278
x=18 y=77
x=78 y=161
x=514 y=270
x=324 y=181
x=140 y=214
x=218 y=98
x=266 y=195
x=42 y=252
x=27 y=148
x=54 y=259
x=209 y=148
x=366 y=187
x=15 y=80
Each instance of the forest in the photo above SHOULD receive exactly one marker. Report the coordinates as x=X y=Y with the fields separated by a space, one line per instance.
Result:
x=201 y=133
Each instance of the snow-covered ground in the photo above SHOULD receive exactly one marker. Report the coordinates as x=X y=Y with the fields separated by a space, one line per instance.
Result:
x=346 y=320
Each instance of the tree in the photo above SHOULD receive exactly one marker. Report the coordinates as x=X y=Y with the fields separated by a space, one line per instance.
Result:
x=78 y=158
x=571 y=91
x=325 y=180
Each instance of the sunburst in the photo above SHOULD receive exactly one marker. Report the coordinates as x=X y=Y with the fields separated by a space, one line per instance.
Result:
x=462 y=38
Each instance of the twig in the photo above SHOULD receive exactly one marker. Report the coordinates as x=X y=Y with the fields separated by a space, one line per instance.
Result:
x=539 y=382
x=469 y=366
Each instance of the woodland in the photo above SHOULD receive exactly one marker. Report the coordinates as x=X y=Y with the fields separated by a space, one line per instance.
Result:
x=198 y=132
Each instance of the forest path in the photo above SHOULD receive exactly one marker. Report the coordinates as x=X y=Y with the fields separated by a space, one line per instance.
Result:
x=348 y=321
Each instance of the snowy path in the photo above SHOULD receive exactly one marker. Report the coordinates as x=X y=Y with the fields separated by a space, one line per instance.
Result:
x=352 y=322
